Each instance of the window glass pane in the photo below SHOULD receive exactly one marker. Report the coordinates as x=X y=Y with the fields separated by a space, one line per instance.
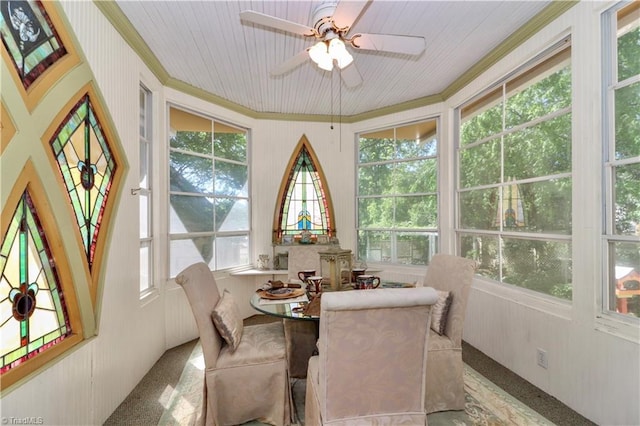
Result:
x=189 y=173
x=231 y=179
x=416 y=248
x=376 y=179
x=34 y=311
x=539 y=99
x=375 y=212
x=416 y=176
x=478 y=209
x=379 y=148
x=416 y=212
x=542 y=266
x=546 y=205
x=481 y=119
x=230 y=146
x=198 y=142
x=231 y=215
x=185 y=252
x=409 y=166
x=190 y=214
x=232 y=251
x=144 y=164
x=145 y=223
x=629 y=41
x=374 y=246
x=87 y=167
x=624 y=287
x=31 y=40
x=627 y=199
x=541 y=150
x=145 y=265
x=480 y=165
x=627 y=122
x=485 y=250
x=416 y=140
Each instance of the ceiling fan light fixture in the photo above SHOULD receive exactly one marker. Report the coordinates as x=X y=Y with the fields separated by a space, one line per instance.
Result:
x=339 y=52
x=319 y=53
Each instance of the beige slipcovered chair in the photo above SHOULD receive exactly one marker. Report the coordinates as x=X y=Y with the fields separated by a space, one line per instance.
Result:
x=445 y=380
x=371 y=367
x=301 y=335
x=248 y=383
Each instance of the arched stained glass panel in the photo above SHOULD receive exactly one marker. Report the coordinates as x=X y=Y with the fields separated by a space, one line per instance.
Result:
x=33 y=314
x=30 y=38
x=88 y=169
x=304 y=203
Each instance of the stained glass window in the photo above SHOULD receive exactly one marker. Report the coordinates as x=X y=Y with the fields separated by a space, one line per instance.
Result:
x=33 y=314
x=30 y=38
x=305 y=204
x=87 y=167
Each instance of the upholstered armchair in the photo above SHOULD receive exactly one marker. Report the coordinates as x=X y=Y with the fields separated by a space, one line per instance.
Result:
x=445 y=372
x=371 y=367
x=250 y=382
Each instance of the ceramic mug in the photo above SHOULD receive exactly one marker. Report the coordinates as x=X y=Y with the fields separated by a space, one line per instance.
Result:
x=364 y=282
x=303 y=275
x=356 y=272
x=314 y=284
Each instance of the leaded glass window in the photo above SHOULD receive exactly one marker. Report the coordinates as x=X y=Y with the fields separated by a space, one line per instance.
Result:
x=88 y=169
x=30 y=38
x=305 y=203
x=33 y=313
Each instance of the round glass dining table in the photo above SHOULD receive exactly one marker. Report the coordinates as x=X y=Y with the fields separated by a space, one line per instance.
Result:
x=282 y=309
x=295 y=310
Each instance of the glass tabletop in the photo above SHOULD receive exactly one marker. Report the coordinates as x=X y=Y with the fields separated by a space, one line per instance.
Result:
x=294 y=310
x=283 y=309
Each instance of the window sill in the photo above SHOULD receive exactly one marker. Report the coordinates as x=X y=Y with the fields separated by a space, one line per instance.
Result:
x=148 y=296
x=627 y=330
x=547 y=304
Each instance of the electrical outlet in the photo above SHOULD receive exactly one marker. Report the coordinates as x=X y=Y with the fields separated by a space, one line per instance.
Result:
x=542 y=358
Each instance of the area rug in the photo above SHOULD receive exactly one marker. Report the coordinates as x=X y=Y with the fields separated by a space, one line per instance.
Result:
x=486 y=403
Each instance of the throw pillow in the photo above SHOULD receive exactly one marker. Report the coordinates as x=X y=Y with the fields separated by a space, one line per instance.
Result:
x=226 y=318
x=440 y=310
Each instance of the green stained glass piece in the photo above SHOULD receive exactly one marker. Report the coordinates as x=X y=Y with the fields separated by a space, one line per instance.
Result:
x=52 y=336
x=35 y=345
x=15 y=355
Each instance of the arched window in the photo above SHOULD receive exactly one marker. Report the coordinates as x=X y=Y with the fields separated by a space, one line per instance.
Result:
x=304 y=202
x=39 y=314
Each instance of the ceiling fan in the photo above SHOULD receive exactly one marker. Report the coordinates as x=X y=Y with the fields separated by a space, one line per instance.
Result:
x=331 y=24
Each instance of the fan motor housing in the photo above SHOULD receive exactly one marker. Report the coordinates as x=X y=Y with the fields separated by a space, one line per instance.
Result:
x=322 y=15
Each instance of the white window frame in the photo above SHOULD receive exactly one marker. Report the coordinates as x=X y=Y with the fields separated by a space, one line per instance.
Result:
x=144 y=192
x=611 y=320
x=516 y=291
x=395 y=231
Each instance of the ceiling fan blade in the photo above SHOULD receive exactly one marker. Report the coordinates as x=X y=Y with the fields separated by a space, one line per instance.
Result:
x=347 y=12
x=290 y=63
x=411 y=45
x=351 y=76
x=277 y=23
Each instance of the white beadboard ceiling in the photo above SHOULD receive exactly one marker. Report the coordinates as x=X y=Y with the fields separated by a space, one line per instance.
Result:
x=206 y=45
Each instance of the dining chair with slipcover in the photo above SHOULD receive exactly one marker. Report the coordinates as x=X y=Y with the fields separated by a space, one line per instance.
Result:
x=452 y=277
x=300 y=335
x=371 y=366
x=245 y=374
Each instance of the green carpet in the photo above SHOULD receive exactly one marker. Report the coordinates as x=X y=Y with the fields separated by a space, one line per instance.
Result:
x=486 y=403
